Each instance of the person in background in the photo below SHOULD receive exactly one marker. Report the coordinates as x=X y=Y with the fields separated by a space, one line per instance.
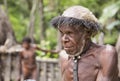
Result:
x=28 y=59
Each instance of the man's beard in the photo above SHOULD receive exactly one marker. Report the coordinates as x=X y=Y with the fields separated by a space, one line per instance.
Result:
x=80 y=50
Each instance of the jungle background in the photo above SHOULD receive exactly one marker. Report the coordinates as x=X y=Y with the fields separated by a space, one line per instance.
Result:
x=32 y=18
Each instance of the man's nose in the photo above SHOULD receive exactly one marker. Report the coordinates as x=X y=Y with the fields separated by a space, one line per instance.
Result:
x=65 y=38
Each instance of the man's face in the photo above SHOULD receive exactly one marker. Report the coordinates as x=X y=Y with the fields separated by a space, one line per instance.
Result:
x=71 y=39
x=25 y=45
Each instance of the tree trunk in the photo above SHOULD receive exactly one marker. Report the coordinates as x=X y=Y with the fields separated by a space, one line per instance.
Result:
x=30 y=32
x=118 y=44
x=118 y=51
x=42 y=28
x=59 y=45
x=7 y=37
x=29 y=2
x=6 y=33
x=5 y=4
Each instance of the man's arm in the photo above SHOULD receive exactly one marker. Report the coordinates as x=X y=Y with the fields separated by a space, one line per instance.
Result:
x=46 y=51
x=108 y=60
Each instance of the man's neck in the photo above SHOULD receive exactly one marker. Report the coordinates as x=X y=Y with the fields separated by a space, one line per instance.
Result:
x=28 y=48
x=85 y=48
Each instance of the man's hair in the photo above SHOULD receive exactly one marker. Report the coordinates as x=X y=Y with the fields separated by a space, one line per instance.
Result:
x=77 y=16
x=26 y=39
x=90 y=26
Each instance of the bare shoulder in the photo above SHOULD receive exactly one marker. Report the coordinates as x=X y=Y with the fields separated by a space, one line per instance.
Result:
x=34 y=46
x=108 y=61
x=107 y=53
x=108 y=50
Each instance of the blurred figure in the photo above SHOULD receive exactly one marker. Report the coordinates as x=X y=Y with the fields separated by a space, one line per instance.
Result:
x=28 y=61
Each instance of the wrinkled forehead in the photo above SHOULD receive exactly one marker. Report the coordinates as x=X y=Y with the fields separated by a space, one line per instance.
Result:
x=71 y=23
x=72 y=28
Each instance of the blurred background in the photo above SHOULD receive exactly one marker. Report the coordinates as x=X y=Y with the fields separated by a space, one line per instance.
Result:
x=32 y=18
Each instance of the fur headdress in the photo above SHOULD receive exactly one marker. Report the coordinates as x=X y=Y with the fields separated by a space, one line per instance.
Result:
x=77 y=16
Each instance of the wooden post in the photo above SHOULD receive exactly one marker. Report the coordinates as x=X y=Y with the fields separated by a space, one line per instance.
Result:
x=9 y=66
x=52 y=71
x=6 y=63
x=45 y=71
x=38 y=71
x=15 y=66
x=48 y=69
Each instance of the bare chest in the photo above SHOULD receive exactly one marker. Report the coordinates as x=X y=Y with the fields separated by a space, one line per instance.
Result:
x=28 y=53
x=88 y=68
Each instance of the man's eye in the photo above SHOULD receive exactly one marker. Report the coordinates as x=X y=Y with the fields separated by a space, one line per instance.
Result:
x=70 y=33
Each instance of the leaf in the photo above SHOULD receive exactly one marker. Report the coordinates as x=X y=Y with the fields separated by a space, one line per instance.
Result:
x=109 y=12
x=113 y=24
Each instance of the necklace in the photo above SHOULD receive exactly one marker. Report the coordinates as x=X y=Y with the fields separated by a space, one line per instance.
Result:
x=75 y=60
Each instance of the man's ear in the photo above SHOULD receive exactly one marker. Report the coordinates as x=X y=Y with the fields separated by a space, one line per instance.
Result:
x=88 y=34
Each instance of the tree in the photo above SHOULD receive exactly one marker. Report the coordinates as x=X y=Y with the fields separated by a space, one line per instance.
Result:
x=42 y=27
x=30 y=31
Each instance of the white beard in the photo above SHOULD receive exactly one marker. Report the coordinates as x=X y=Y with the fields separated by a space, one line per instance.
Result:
x=81 y=50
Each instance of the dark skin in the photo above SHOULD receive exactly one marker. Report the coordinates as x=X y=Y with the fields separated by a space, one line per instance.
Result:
x=28 y=61
x=97 y=63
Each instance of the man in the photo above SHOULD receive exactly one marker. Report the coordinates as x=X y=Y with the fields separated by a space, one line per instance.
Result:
x=81 y=59
x=28 y=62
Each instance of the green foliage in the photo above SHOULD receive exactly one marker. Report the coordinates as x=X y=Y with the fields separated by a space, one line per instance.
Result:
x=19 y=15
x=45 y=45
x=19 y=26
x=113 y=24
x=109 y=12
x=48 y=44
x=111 y=37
